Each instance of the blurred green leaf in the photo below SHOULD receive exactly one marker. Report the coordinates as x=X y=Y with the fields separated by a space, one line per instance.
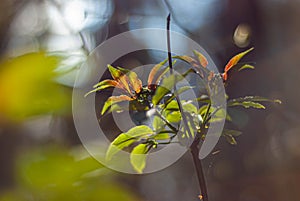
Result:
x=230 y=139
x=27 y=87
x=54 y=174
x=230 y=135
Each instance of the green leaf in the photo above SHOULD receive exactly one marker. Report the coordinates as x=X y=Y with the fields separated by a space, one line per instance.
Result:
x=112 y=100
x=189 y=107
x=162 y=136
x=253 y=99
x=230 y=139
x=231 y=132
x=140 y=131
x=171 y=112
x=203 y=110
x=158 y=123
x=218 y=115
x=248 y=104
x=138 y=157
x=246 y=66
x=180 y=91
x=230 y=135
x=167 y=85
x=126 y=139
x=173 y=116
x=122 y=141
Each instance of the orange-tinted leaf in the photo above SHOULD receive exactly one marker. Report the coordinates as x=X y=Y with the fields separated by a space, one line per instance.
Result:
x=186 y=58
x=103 y=85
x=225 y=76
x=161 y=75
x=112 y=100
x=135 y=82
x=234 y=60
x=154 y=71
x=201 y=58
x=120 y=77
x=210 y=76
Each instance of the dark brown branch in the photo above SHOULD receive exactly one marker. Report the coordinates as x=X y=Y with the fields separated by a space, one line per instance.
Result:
x=194 y=147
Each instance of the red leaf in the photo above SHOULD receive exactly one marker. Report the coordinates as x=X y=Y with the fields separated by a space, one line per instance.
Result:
x=154 y=71
x=134 y=81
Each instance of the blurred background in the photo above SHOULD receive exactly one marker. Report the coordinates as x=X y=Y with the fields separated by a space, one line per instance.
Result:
x=43 y=44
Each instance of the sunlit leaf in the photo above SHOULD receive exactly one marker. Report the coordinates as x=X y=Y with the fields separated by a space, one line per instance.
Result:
x=173 y=116
x=112 y=100
x=139 y=131
x=201 y=58
x=158 y=123
x=165 y=88
x=162 y=136
x=138 y=157
x=122 y=141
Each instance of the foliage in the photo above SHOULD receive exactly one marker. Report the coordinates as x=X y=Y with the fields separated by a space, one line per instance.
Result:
x=54 y=174
x=159 y=97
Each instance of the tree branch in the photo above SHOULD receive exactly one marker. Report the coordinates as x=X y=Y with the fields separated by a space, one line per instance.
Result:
x=194 y=147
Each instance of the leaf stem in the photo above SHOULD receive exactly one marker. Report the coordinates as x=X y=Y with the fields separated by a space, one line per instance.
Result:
x=166 y=121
